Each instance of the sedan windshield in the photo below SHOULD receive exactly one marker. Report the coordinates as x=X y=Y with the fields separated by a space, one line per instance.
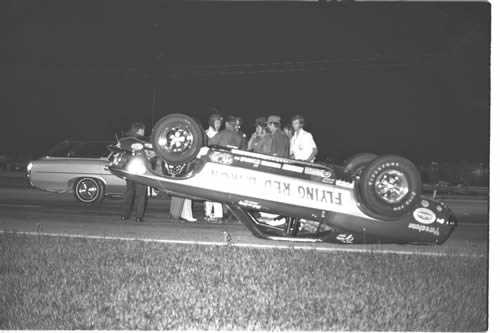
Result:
x=82 y=149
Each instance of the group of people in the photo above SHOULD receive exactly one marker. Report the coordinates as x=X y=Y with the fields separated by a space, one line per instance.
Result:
x=270 y=137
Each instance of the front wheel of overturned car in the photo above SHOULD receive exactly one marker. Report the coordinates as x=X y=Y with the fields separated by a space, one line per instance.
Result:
x=89 y=190
x=177 y=138
x=389 y=187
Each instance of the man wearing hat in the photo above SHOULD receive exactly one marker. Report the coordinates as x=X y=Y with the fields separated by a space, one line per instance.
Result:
x=280 y=143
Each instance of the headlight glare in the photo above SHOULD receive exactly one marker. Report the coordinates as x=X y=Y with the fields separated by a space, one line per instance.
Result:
x=136 y=166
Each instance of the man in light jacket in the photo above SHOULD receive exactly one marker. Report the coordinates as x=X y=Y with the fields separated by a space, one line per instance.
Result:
x=302 y=145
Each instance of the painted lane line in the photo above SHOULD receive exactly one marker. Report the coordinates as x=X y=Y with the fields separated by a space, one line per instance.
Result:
x=250 y=245
x=471 y=224
x=19 y=205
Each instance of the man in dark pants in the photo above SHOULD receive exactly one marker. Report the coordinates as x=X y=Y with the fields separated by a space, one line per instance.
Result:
x=135 y=193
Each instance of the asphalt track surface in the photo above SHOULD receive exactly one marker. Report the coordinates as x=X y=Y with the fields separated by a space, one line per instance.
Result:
x=31 y=211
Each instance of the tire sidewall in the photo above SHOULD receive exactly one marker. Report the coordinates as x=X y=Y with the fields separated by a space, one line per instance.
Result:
x=180 y=120
x=366 y=187
x=355 y=164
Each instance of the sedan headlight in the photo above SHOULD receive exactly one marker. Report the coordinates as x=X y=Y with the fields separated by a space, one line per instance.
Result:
x=28 y=169
x=137 y=146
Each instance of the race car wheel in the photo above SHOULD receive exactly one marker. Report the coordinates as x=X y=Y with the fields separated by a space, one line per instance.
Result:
x=177 y=138
x=389 y=187
x=89 y=190
x=355 y=165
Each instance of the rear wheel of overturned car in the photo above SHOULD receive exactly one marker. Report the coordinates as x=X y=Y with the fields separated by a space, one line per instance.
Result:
x=355 y=164
x=89 y=190
x=389 y=187
x=177 y=138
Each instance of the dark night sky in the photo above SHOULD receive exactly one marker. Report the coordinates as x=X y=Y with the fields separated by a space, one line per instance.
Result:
x=405 y=78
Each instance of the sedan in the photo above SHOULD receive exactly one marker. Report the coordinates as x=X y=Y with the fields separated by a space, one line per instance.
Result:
x=77 y=167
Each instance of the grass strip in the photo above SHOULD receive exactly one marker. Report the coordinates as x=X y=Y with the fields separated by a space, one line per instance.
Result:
x=63 y=283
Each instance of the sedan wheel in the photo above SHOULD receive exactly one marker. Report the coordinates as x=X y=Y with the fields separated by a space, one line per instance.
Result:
x=88 y=190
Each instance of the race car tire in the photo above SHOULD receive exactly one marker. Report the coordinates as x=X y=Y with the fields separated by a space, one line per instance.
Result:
x=177 y=138
x=89 y=190
x=389 y=187
x=355 y=164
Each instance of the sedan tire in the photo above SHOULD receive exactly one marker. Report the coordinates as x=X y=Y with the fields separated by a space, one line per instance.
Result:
x=89 y=190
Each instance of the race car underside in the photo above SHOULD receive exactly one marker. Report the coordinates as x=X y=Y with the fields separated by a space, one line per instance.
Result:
x=292 y=229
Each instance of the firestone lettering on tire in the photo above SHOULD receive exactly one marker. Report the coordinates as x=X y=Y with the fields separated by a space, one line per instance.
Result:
x=374 y=174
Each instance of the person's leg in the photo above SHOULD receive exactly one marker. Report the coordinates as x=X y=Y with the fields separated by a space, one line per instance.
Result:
x=218 y=213
x=140 y=198
x=128 y=200
x=187 y=213
x=209 y=206
x=176 y=205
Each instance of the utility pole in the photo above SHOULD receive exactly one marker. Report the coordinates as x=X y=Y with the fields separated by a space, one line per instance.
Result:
x=153 y=105
x=156 y=68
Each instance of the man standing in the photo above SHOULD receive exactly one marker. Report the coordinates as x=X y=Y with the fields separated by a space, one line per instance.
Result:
x=302 y=145
x=237 y=128
x=280 y=143
x=260 y=141
x=214 y=125
x=213 y=210
x=135 y=192
x=288 y=130
x=228 y=137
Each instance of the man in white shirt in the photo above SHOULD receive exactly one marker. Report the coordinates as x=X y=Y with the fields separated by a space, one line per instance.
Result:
x=302 y=145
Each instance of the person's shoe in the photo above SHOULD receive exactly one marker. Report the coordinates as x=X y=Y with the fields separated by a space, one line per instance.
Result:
x=218 y=220
x=124 y=217
x=192 y=219
x=209 y=219
x=139 y=219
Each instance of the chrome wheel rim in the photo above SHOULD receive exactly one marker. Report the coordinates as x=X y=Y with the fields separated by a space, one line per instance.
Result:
x=176 y=139
x=87 y=190
x=391 y=186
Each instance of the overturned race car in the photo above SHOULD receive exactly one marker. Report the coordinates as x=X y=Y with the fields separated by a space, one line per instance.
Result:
x=372 y=199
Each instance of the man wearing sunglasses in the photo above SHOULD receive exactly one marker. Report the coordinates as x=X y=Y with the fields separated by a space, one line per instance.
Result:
x=280 y=143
